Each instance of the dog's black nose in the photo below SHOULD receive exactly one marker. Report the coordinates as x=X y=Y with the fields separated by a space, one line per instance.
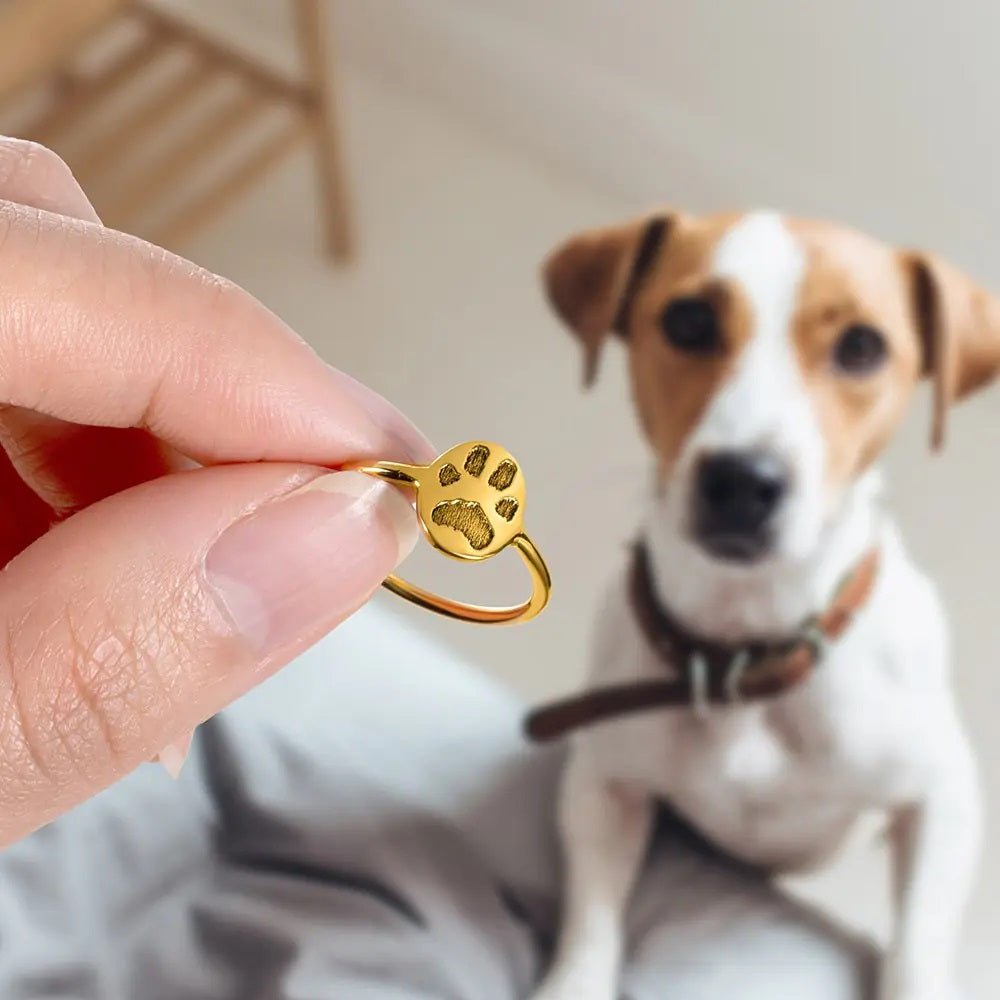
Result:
x=737 y=494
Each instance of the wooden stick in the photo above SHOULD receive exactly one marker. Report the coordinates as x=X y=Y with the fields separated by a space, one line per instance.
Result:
x=143 y=120
x=179 y=162
x=313 y=33
x=88 y=90
x=212 y=202
x=261 y=76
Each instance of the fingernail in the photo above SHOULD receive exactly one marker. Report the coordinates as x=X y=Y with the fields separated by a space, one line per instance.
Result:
x=173 y=755
x=291 y=571
x=408 y=443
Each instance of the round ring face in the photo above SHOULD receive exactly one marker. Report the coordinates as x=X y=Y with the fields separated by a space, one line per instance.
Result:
x=471 y=500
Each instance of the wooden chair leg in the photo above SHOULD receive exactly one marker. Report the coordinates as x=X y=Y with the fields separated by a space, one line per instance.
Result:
x=132 y=197
x=313 y=30
x=104 y=150
x=210 y=203
x=90 y=90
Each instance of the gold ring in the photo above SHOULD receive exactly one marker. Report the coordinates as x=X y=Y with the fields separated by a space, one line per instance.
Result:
x=470 y=504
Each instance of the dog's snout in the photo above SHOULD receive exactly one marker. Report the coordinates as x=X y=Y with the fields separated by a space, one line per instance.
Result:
x=737 y=494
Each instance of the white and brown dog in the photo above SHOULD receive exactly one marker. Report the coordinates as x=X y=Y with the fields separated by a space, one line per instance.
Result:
x=771 y=359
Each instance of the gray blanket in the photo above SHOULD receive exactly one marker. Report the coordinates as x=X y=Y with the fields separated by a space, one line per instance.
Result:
x=371 y=827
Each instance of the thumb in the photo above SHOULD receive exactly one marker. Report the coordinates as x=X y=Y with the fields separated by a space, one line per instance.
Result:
x=138 y=618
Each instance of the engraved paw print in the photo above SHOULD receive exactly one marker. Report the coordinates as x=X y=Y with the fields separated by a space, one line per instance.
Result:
x=479 y=494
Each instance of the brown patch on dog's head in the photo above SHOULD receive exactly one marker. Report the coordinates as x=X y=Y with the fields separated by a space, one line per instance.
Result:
x=852 y=281
x=619 y=279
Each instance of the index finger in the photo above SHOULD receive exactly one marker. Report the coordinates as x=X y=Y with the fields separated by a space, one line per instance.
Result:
x=101 y=328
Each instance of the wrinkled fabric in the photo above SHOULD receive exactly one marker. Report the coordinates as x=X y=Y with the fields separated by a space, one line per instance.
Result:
x=369 y=825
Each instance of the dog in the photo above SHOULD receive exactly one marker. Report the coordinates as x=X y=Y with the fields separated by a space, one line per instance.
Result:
x=771 y=358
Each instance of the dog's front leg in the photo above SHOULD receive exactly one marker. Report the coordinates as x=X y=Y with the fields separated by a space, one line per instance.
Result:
x=935 y=844
x=604 y=828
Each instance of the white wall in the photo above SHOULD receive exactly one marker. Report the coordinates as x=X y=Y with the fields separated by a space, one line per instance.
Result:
x=882 y=113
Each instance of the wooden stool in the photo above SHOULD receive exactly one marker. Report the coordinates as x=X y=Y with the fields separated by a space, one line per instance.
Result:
x=40 y=47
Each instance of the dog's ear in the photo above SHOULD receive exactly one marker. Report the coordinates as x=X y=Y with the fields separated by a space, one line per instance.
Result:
x=591 y=278
x=959 y=328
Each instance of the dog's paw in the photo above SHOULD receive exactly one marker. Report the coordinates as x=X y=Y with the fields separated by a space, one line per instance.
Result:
x=571 y=992
x=891 y=991
x=902 y=979
x=948 y=993
x=478 y=495
x=564 y=987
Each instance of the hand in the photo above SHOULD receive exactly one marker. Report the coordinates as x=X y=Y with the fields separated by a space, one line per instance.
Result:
x=168 y=531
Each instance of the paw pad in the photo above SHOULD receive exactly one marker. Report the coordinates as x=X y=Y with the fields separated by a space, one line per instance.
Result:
x=503 y=475
x=448 y=474
x=506 y=508
x=468 y=501
x=467 y=517
x=476 y=460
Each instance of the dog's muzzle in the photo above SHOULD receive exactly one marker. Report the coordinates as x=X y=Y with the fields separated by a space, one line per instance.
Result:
x=736 y=499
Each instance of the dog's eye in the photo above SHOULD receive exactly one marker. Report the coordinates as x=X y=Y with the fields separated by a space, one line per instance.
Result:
x=689 y=324
x=860 y=350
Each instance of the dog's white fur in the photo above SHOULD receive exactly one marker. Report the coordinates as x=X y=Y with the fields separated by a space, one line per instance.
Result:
x=778 y=783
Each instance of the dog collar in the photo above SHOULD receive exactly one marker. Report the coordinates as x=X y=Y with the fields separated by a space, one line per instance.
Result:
x=709 y=672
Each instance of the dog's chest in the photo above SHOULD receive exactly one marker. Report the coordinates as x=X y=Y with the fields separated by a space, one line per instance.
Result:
x=777 y=783
x=766 y=786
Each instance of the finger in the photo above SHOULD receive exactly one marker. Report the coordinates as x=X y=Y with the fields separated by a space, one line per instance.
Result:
x=70 y=466
x=130 y=623
x=63 y=464
x=100 y=328
x=32 y=174
x=24 y=516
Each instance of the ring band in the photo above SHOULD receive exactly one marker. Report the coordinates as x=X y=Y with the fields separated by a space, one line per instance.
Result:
x=470 y=504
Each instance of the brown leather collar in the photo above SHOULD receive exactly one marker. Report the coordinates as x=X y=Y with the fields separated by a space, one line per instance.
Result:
x=715 y=673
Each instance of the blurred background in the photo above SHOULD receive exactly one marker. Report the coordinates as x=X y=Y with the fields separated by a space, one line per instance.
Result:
x=387 y=174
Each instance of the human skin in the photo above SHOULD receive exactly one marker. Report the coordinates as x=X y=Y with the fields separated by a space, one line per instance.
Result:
x=170 y=532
